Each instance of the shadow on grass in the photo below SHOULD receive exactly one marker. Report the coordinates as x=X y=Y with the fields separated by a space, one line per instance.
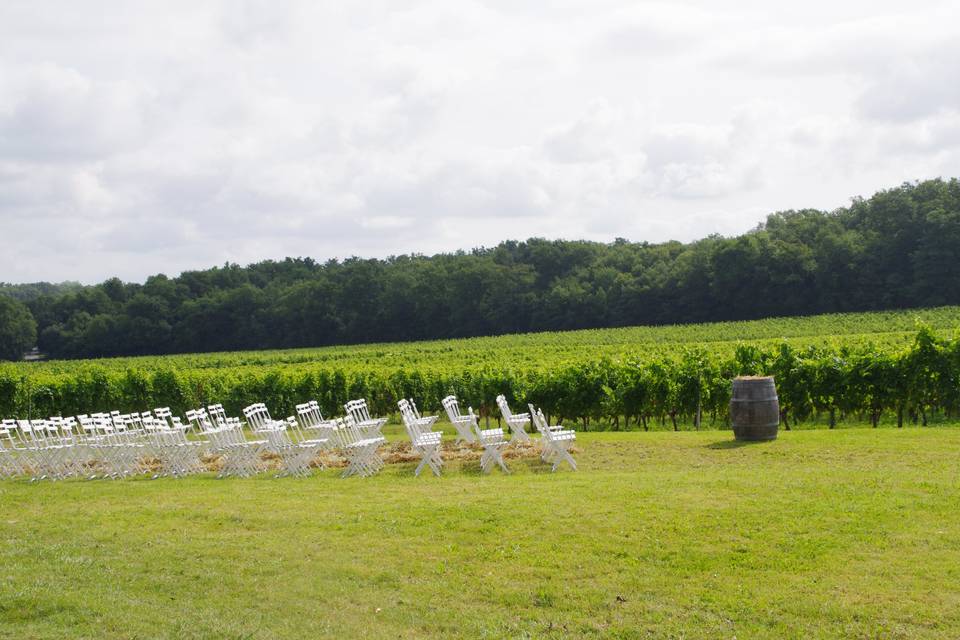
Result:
x=734 y=444
x=518 y=466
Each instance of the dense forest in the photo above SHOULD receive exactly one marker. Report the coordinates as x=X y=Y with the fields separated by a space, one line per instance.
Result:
x=899 y=248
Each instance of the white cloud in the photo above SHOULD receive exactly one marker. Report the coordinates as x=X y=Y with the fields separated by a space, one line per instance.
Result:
x=54 y=114
x=162 y=136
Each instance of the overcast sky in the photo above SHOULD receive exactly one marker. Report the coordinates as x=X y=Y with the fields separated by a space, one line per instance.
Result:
x=146 y=137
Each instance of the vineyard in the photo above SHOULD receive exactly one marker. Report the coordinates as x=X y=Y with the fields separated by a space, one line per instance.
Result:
x=890 y=367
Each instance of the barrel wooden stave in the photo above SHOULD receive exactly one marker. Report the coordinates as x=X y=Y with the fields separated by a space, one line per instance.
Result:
x=754 y=408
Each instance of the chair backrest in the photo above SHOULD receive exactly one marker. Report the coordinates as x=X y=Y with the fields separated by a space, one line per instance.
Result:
x=231 y=432
x=51 y=429
x=308 y=414
x=358 y=410
x=304 y=412
x=27 y=432
x=413 y=407
x=345 y=431
x=89 y=425
x=103 y=426
x=453 y=408
x=61 y=428
x=258 y=416
x=164 y=413
x=540 y=422
x=200 y=420
x=410 y=419
x=12 y=434
x=133 y=424
x=129 y=426
x=277 y=436
x=217 y=414
x=149 y=421
x=152 y=426
x=504 y=407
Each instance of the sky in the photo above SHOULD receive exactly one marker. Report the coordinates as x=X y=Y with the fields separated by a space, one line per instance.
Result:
x=156 y=137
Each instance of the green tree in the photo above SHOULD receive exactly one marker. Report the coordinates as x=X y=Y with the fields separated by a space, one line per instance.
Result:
x=18 y=329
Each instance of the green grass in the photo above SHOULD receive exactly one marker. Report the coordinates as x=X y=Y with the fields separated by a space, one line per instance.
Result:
x=851 y=533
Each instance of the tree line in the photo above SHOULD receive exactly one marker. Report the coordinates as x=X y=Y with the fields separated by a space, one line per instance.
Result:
x=900 y=248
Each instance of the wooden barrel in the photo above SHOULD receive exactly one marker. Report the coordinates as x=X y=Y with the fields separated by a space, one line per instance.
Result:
x=754 y=408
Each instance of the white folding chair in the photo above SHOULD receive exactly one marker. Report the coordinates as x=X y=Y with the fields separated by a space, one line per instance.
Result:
x=117 y=449
x=241 y=457
x=423 y=440
x=60 y=434
x=516 y=421
x=171 y=421
x=359 y=449
x=555 y=440
x=10 y=465
x=32 y=451
x=96 y=450
x=132 y=444
x=258 y=417
x=310 y=419
x=463 y=424
x=47 y=451
x=179 y=455
x=295 y=455
x=369 y=426
x=217 y=414
x=492 y=440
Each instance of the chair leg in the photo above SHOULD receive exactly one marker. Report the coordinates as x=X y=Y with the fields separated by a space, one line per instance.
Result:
x=503 y=465
x=569 y=459
x=424 y=459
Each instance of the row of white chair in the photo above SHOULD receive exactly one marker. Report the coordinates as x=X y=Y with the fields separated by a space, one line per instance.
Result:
x=119 y=445
x=555 y=440
x=104 y=445
x=297 y=440
x=115 y=445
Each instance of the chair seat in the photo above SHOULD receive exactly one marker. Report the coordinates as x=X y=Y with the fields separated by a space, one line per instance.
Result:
x=426 y=440
x=365 y=443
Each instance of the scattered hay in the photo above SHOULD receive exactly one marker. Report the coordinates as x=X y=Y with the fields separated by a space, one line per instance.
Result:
x=401 y=452
x=152 y=464
x=520 y=451
x=329 y=459
x=398 y=452
x=391 y=453
x=213 y=462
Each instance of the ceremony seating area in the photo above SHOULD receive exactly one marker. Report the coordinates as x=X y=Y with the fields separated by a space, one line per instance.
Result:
x=159 y=444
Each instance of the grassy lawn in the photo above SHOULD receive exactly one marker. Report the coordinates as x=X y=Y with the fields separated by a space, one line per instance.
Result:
x=847 y=533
